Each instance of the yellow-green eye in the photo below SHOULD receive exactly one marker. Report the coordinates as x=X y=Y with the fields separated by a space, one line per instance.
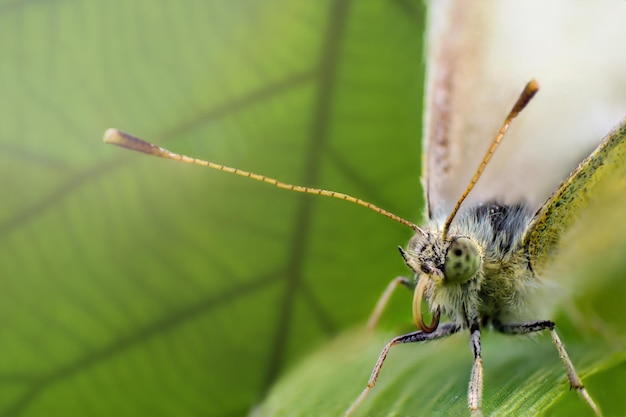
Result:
x=462 y=260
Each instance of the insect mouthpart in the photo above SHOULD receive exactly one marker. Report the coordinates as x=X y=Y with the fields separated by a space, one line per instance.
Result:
x=417 y=307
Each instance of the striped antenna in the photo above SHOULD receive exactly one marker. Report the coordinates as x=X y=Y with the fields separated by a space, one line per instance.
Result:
x=529 y=92
x=124 y=140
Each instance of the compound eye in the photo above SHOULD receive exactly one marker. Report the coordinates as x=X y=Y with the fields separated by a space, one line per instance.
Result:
x=462 y=260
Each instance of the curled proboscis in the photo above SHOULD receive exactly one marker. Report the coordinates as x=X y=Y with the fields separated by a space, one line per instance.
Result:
x=417 y=309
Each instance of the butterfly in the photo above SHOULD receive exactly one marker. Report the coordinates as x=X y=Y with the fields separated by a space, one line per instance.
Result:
x=480 y=261
x=481 y=265
x=480 y=257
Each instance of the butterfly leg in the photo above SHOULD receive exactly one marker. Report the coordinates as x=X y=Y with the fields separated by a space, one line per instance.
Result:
x=384 y=299
x=475 y=390
x=572 y=376
x=444 y=330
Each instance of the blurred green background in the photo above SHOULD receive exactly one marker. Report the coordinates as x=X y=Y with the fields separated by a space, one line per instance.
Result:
x=135 y=286
x=132 y=286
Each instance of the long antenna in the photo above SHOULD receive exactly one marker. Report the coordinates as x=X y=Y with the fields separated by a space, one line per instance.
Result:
x=529 y=92
x=124 y=140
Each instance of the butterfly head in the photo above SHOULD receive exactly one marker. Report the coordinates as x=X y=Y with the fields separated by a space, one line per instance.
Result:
x=444 y=269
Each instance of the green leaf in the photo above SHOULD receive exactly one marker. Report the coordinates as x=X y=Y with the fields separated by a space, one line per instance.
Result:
x=135 y=286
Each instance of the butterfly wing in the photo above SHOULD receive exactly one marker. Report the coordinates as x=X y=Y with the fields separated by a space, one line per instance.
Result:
x=452 y=58
x=560 y=211
x=478 y=60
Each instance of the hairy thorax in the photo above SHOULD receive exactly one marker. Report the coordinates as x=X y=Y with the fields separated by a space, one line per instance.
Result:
x=502 y=285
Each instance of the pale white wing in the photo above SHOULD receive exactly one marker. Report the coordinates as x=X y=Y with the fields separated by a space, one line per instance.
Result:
x=479 y=57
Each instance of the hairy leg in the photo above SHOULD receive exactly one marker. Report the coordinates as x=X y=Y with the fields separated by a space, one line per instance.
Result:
x=572 y=376
x=444 y=330
x=475 y=390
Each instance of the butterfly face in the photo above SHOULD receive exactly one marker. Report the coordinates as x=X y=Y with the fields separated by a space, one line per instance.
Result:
x=453 y=262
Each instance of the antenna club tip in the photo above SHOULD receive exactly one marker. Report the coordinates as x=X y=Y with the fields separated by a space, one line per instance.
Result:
x=111 y=136
x=533 y=85
x=124 y=140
